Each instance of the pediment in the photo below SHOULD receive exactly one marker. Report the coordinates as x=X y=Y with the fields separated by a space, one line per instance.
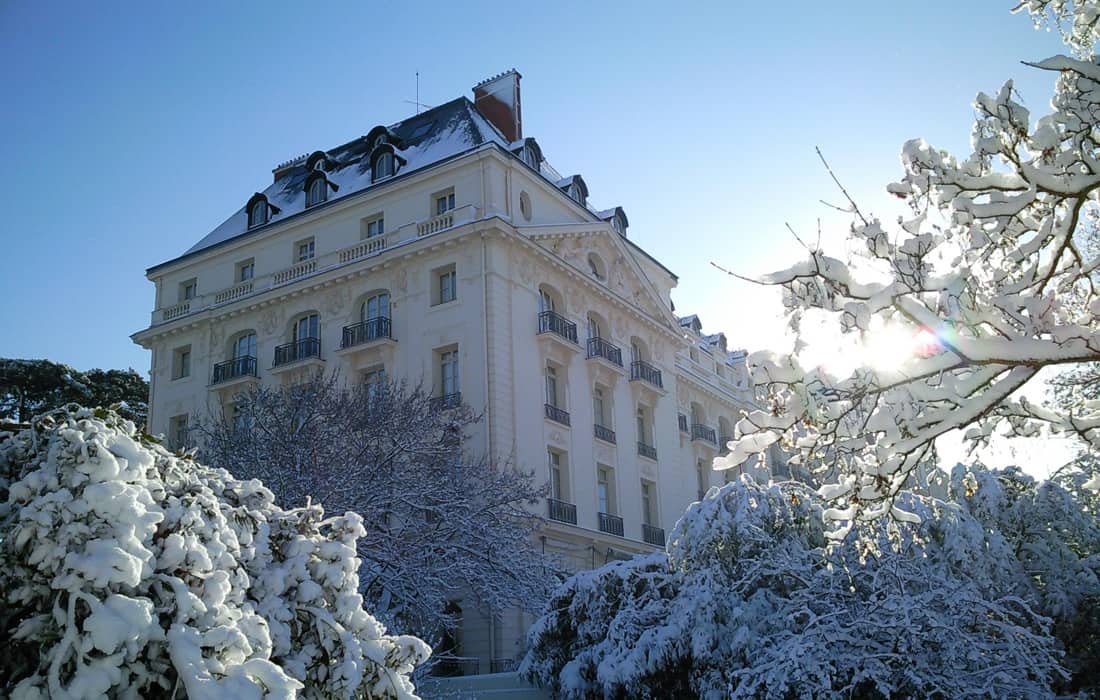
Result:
x=621 y=273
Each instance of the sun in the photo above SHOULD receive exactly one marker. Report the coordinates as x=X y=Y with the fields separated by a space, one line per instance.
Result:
x=892 y=346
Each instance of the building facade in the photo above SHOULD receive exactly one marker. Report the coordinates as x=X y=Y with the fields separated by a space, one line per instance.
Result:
x=446 y=249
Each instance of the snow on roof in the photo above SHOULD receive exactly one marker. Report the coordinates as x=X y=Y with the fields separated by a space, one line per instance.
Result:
x=429 y=137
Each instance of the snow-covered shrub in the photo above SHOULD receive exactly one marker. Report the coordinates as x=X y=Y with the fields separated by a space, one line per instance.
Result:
x=128 y=572
x=750 y=602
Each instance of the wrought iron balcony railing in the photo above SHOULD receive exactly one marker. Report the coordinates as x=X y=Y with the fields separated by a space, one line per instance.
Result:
x=556 y=414
x=647 y=450
x=562 y=512
x=550 y=322
x=359 y=333
x=704 y=433
x=646 y=372
x=298 y=350
x=447 y=401
x=237 y=367
x=653 y=535
x=605 y=434
x=598 y=347
x=611 y=524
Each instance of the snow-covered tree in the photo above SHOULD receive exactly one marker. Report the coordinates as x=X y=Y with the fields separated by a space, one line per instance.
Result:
x=749 y=602
x=441 y=523
x=985 y=282
x=128 y=572
x=30 y=387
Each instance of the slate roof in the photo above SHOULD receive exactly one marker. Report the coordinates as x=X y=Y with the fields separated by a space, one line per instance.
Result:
x=443 y=132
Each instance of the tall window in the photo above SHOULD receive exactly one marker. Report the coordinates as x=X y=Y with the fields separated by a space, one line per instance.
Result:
x=599 y=408
x=189 y=290
x=306 y=250
x=448 y=372
x=593 y=328
x=444 y=202
x=376 y=306
x=649 y=514
x=448 y=288
x=318 y=191
x=643 y=433
x=245 y=346
x=374 y=379
x=604 y=490
x=177 y=431
x=307 y=327
x=181 y=362
x=552 y=386
x=546 y=301
x=557 y=491
x=635 y=352
x=701 y=478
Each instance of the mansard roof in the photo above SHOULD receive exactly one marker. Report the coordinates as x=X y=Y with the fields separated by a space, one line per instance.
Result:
x=425 y=139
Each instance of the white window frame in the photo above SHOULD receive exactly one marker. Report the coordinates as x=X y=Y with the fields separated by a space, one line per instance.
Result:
x=318 y=192
x=305 y=249
x=246 y=270
x=449 y=384
x=446 y=284
x=443 y=202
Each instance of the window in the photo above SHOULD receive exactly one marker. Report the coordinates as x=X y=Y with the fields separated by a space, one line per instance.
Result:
x=593 y=328
x=257 y=215
x=178 y=437
x=642 y=421
x=305 y=250
x=635 y=352
x=649 y=497
x=546 y=300
x=245 y=346
x=382 y=167
x=181 y=362
x=446 y=285
x=375 y=380
x=444 y=202
x=188 y=290
x=307 y=328
x=376 y=306
x=374 y=227
x=557 y=475
x=617 y=224
x=552 y=386
x=525 y=205
x=605 y=489
x=317 y=191
x=246 y=270
x=701 y=478
x=448 y=372
x=599 y=408
x=531 y=156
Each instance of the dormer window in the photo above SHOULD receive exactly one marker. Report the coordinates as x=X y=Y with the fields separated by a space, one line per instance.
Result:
x=317 y=161
x=259 y=210
x=575 y=187
x=257 y=215
x=577 y=194
x=382 y=166
x=317 y=187
x=617 y=224
x=319 y=165
x=531 y=156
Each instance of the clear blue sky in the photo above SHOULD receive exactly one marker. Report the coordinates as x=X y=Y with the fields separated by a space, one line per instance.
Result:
x=130 y=130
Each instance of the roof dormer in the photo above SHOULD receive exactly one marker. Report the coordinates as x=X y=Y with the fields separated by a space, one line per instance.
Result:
x=575 y=187
x=381 y=135
x=617 y=218
x=319 y=160
x=317 y=187
x=529 y=152
x=259 y=210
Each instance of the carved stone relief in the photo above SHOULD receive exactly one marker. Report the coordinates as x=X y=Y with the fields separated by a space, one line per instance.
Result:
x=336 y=300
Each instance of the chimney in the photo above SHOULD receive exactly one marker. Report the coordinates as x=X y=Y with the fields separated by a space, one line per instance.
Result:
x=498 y=100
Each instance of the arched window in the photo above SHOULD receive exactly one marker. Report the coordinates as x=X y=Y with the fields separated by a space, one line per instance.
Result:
x=307 y=328
x=317 y=191
x=244 y=346
x=382 y=166
x=547 y=300
x=376 y=306
x=594 y=327
x=257 y=214
x=531 y=156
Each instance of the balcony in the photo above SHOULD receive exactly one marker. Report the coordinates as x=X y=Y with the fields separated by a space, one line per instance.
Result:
x=645 y=372
x=611 y=524
x=605 y=434
x=600 y=348
x=653 y=535
x=562 y=512
x=237 y=368
x=365 y=332
x=322 y=264
x=303 y=349
x=556 y=414
x=704 y=433
x=647 y=450
x=447 y=401
x=550 y=322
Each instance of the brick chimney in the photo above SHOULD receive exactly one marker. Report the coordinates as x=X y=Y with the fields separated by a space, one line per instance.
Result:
x=497 y=98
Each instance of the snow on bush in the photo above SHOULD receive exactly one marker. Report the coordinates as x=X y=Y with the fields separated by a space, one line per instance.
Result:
x=128 y=572
x=750 y=602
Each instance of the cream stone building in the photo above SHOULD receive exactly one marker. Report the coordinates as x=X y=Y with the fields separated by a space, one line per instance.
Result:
x=445 y=248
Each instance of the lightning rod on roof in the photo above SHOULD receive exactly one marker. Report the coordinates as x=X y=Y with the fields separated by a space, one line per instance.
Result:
x=417 y=101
